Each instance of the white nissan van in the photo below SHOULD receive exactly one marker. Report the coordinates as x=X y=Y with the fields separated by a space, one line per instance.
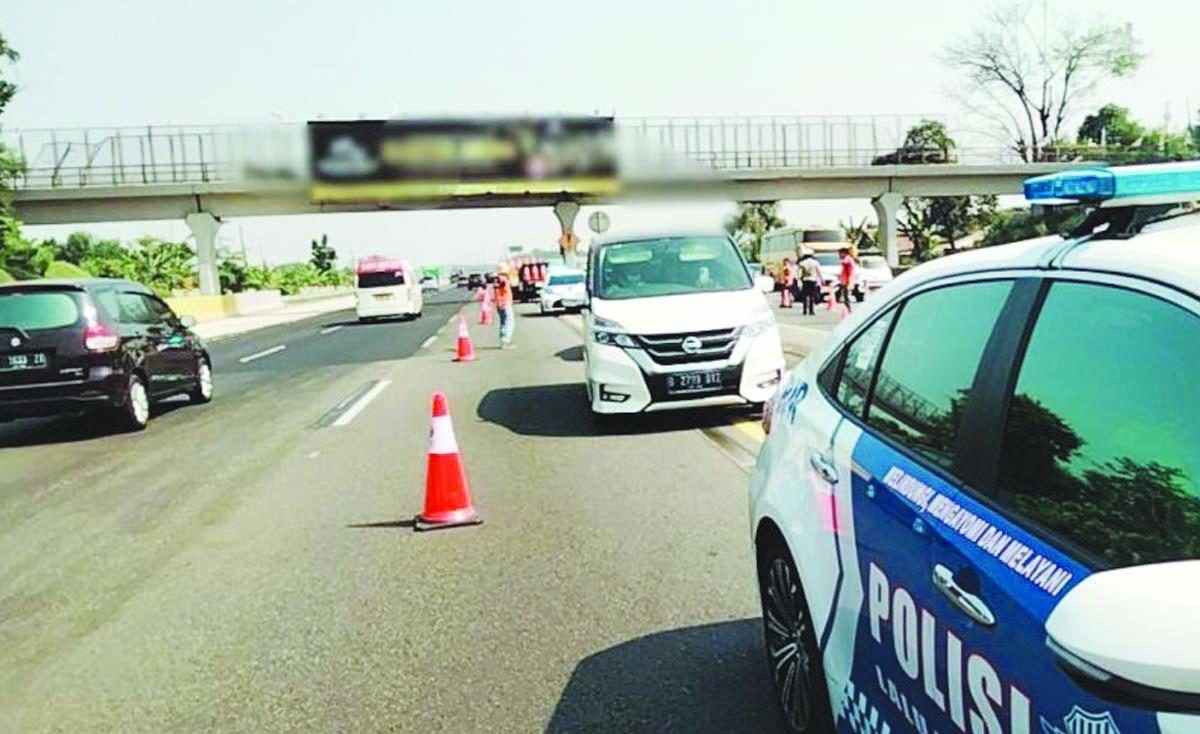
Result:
x=677 y=322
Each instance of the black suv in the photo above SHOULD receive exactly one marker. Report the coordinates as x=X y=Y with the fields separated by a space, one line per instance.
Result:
x=74 y=345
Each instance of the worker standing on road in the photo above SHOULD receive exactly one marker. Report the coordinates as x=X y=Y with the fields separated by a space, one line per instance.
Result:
x=789 y=279
x=504 y=309
x=810 y=280
x=846 y=277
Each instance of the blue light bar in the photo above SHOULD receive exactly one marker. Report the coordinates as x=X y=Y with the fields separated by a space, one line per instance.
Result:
x=1161 y=183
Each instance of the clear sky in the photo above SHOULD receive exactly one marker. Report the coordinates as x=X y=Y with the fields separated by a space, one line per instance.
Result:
x=138 y=62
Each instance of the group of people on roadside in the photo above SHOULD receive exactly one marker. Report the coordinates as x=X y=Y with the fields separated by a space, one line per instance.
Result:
x=802 y=280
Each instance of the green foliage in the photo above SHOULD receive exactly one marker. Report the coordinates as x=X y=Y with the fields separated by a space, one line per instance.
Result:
x=63 y=269
x=5 y=277
x=1014 y=225
x=926 y=142
x=324 y=257
x=1110 y=125
x=750 y=223
x=917 y=224
x=860 y=234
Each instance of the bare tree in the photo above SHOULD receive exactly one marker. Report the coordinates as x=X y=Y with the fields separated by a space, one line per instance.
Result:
x=1027 y=77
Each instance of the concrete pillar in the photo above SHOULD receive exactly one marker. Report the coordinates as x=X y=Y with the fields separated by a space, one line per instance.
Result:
x=568 y=243
x=204 y=228
x=887 y=208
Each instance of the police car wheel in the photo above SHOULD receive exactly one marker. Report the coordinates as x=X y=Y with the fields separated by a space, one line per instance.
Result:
x=792 y=652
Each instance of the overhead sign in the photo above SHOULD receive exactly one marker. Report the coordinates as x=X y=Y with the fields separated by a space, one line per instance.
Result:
x=382 y=160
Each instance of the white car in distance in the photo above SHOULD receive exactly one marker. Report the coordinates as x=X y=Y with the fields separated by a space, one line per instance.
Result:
x=564 y=290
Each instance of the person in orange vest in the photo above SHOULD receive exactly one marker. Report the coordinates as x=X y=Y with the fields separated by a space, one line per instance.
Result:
x=504 y=309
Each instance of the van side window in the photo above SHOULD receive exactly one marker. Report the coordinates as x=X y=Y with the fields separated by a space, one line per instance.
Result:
x=929 y=365
x=1101 y=442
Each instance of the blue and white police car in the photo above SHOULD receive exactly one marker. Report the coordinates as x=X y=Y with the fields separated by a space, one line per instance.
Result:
x=978 y=505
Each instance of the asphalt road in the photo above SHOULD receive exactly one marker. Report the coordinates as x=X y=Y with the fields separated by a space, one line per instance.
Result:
x=249 y=565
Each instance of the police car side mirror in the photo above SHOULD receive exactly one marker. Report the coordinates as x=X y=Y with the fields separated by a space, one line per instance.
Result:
x=1126 y=636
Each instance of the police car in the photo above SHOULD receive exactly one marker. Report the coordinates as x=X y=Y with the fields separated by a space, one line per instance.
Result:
x=978 y=505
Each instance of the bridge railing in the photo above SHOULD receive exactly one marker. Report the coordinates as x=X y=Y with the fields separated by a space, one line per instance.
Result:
x=158 y=155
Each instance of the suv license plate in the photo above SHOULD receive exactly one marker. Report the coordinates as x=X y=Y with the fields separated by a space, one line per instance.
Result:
x=35 y=361
x=694 y=382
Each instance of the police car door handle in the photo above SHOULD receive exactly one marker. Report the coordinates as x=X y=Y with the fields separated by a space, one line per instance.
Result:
x=968 y=603
x=824 y=467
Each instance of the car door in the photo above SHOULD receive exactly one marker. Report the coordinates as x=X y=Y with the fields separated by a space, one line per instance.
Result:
x=176 y=344
x=146 y=338
x=903 y=398
x=1096 y=468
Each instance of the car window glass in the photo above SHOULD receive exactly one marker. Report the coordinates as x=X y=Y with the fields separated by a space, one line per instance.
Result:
x=38 y=310
x=1101 y=442
x=930 y=364
x=859 y=364
x=158 y=310
x=134 y=310
x=107 y=300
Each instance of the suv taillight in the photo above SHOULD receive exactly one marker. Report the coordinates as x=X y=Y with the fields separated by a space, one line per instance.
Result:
x=100 y=338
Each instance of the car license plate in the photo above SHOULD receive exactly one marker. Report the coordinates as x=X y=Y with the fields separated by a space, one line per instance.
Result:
x=694 y=382
x=34 y=361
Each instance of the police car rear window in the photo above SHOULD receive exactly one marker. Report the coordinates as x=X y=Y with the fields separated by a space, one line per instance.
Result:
x=929 y=365
x=1101 y=440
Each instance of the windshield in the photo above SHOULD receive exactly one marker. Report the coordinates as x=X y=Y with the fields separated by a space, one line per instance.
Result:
x=33 y=311
x=573 y=279
x=828 y=259
x=873 y=262
x=381 y=279
x=669 y=266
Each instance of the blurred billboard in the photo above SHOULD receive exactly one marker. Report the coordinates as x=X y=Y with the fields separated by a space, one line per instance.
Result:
x=387 y=160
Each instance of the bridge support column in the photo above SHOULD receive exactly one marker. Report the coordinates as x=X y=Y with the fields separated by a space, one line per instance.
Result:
x=204 y=228
x=887 y=208
x=568 y=243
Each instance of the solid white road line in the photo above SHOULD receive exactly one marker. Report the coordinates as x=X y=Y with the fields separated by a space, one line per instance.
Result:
x=357 y=408
x=428 y=342
x=331 y=329
x=263 y=353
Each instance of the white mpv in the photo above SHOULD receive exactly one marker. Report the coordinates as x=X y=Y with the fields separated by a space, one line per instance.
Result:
x=677 y=322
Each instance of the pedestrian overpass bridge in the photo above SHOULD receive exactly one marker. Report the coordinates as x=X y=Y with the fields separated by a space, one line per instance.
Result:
x=207 y=174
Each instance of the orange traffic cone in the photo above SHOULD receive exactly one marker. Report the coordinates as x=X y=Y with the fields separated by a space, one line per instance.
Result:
x=829 y=300
x=447 y=496
x=466 y=350
x=485 y=313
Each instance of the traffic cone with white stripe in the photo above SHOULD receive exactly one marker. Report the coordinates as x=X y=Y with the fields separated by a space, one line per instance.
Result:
x=466 y=350
x=485 y=312
x=447 y=496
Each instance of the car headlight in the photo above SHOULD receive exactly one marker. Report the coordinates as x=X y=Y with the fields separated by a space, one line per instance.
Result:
x=611 y=333
x=764 y=322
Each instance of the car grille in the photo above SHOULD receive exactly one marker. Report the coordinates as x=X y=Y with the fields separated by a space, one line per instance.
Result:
x=668 y=348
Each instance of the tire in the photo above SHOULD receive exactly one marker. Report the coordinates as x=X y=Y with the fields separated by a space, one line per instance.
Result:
x=793 y=658
x=133 y=414
x=203 y=391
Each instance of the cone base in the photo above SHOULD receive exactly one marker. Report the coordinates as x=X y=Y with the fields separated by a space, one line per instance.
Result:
x=465 y=358
x=420 y=524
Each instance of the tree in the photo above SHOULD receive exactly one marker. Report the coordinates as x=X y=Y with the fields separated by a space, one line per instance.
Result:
x=164 y=266
x=1110 y=126
x=1014 y=225
x=925 y=142
x=324 y=257
x=11 y=164
x=954 y=217
x=916 y=223
x=1027 y=80
x=752 y=221
x=860 y=234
